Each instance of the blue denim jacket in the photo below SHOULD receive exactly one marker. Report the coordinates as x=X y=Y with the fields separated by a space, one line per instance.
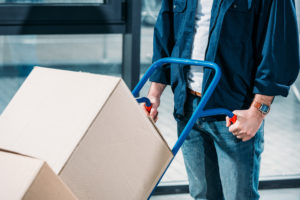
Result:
x=255 y=42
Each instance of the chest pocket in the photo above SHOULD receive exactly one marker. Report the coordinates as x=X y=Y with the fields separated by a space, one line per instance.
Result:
x=241 y=6
x=238 y=22
x=179 y=5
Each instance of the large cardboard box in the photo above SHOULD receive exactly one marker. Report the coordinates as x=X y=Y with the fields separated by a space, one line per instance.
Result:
x=28 y=178
x=90 y=130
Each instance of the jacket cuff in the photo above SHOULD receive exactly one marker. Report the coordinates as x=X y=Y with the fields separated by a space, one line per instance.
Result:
x=270 y=88
x=160 y=76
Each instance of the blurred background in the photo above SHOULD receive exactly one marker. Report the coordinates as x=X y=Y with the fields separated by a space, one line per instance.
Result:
x=64 y=34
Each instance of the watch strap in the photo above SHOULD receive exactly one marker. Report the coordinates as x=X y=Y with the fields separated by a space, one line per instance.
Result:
x=262 y=107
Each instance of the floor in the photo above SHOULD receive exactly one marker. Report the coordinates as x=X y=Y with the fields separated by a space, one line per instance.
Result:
x=282 y=194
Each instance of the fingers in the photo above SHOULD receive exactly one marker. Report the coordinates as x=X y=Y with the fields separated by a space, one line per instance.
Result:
x=236 y=131
x=239 y=133
x=154 y=114
x=242 y=136
x=236 y=112
x=228 y=123
x=156 y=117
x=245 y=139
x=237 y=128
x=234 y=127
x=239 y=137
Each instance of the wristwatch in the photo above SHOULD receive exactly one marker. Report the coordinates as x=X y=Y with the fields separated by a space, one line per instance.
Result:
x=263 y=108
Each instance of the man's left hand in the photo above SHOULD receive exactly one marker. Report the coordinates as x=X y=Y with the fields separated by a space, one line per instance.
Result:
x=247 y=124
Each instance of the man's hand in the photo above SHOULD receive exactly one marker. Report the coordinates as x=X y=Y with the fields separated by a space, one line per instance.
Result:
x=155 y=91
x=155 y=101
x=247 y=123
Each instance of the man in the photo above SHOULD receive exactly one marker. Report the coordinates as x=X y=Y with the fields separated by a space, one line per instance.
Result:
x=255 y=43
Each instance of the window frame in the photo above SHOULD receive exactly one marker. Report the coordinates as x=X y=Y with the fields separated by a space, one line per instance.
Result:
x=110 y=17
x=65 y=18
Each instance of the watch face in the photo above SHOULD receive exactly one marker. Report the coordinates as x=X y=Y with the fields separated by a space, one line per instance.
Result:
x=264 y=108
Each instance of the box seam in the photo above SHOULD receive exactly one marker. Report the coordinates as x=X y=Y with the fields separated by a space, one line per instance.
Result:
x=35 y=179
x=160 y=134
x=155 y=182
x=16 y=153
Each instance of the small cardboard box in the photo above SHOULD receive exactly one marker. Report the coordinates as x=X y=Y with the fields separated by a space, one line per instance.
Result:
x=91 y=132
x=26 y=178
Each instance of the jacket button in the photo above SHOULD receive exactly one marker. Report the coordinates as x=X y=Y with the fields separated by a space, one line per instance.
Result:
x=174 y=6
x=234 y=6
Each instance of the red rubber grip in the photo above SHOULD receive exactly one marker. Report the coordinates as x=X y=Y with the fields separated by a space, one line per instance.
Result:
x=148 y=108
x=233 y=119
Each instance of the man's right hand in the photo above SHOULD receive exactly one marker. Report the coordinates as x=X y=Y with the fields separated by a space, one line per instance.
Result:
x=155 y=91
x=155 y=101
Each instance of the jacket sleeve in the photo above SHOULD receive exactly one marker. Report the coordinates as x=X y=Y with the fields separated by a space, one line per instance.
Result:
x=163 y=42
x=278 y=48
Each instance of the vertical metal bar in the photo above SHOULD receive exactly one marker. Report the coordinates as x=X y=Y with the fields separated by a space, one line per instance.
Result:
x=131 y=43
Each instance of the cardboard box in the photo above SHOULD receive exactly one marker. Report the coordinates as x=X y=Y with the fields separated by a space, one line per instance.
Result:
x=90 y=130
x=28 y=178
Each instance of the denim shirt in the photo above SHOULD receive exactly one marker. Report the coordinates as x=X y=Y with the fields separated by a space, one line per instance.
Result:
x=255 y=43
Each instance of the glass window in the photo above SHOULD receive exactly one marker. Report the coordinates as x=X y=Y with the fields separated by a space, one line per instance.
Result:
x=89 y=53
x=52 y=1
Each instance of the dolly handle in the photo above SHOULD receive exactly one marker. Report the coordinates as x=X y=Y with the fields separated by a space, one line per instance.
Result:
x=199 y=112
x=233 y=119
x=170 y=60
x=148 y=105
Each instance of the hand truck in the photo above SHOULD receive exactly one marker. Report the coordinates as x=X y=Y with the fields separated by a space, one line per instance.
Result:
x=199 y=112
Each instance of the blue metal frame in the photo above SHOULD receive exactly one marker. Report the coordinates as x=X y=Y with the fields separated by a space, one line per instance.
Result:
x=144 y=100
x=199 y=112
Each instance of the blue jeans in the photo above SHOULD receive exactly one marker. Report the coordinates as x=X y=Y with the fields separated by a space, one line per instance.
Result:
x=220 y=166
